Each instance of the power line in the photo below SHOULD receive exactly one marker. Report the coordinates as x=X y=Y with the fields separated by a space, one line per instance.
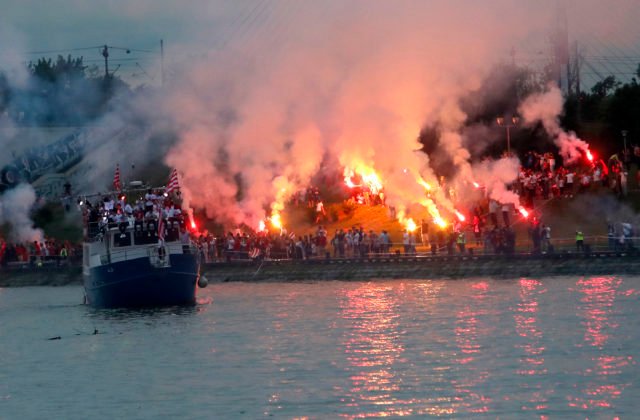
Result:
x=62 y=50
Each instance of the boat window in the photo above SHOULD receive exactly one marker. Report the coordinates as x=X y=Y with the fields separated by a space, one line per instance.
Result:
x=122 y=239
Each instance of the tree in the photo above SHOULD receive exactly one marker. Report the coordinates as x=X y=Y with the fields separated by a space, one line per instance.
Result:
x=604 y=87
x=66 y=92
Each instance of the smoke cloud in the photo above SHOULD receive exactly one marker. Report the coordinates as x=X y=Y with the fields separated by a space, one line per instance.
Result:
x=261 y=96
x=354 y=84
x=546 y=108
x=15 y=208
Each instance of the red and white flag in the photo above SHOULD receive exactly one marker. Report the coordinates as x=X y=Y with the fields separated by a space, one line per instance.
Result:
x=173 y=182
x=161 y=229
x=116 y=179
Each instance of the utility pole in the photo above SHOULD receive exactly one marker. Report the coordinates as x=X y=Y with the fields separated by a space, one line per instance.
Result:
x=161 y=62
x=577 y=66
x=560 y=45
x=105 y=54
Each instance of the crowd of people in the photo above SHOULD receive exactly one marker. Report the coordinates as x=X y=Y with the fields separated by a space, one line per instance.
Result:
x=38 y=253
x=541 y=177
x=145 y=214
x=488 y=227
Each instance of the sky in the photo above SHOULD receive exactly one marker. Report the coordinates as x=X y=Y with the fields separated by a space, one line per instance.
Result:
x=607 y=31
x=259 y=93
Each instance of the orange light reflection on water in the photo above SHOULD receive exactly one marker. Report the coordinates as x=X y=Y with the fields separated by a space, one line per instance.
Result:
x=373 y=348
x=602 y=384
x=467 y=331
x=532 y=361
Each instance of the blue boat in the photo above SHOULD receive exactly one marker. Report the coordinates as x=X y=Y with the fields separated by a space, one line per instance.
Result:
x=131 y=265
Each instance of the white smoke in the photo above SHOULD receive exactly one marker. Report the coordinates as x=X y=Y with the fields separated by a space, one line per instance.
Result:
x=357 y=86
x=15 y=208
x=496 y=175
x=261 y=98
x=547 y=107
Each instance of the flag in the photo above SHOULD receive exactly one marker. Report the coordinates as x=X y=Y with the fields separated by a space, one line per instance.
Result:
x=173 y=182
x=161 y=229
x=116 y=179
x=255 y=253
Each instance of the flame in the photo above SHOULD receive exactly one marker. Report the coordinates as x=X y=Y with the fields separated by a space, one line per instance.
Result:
x=262 y=226
x=524 y=212
x=440 y=222
x=460 y=216
x=410 y=225
x=276 y=221
x=368 y=175
x=475 y=184
x=192 y=221
x=433 y=211
x=424 y=183
x=349 y=182
x=589 y=156
x=348 y=174
x=373 y=182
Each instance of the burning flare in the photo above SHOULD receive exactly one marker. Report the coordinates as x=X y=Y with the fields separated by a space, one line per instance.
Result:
x=460 y=216
x=589 y=156
x=410 y=225
x=192 y=221
x=262 y=226
x=369 y=178
x=524 y=212
x=276 y=221
x=424 y=183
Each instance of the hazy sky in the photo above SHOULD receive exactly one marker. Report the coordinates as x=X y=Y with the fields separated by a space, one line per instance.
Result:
x=608 y=30
x=268 y=88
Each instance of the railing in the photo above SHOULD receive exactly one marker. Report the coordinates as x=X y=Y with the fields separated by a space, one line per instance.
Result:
x=592 y=244
x=522 y=247
x=43 y=262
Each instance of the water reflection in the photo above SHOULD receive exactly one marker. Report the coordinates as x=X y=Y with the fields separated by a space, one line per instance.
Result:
x=603 y=383
x=141 y=313
x=469 y=383
x=532 y=362
x=373 y=347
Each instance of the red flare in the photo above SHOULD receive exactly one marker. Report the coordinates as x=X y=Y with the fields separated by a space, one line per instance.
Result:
x=524 y=212
x=589 y=156
x=460 y=216
x=475 y=184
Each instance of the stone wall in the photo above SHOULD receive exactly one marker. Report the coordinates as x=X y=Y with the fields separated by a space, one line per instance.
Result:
x=40 y=276
x=515 y=266
x=426 y=268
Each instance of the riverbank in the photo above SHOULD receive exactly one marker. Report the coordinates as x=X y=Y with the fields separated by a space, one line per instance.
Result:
x=24 y=276
x=427 y=267
x=382 y=267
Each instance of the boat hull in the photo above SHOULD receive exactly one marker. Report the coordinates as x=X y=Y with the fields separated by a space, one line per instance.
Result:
x=136 y=283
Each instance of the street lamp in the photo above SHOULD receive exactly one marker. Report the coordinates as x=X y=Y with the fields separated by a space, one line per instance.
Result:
x=503 y=123
x=625 y=153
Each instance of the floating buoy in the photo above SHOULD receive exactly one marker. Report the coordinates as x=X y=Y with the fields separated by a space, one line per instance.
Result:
x=203 y=282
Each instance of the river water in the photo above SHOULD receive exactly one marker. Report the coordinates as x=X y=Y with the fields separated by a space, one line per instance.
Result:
x=534 y=348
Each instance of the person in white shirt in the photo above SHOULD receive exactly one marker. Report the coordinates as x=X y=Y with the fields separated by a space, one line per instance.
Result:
x=570 y=176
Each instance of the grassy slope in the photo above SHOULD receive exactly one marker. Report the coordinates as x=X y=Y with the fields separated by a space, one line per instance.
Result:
x=587 y=212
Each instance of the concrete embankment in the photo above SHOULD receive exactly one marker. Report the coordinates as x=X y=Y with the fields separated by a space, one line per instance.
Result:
x=394 y=267
x=40 y=276
x=515 y=266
